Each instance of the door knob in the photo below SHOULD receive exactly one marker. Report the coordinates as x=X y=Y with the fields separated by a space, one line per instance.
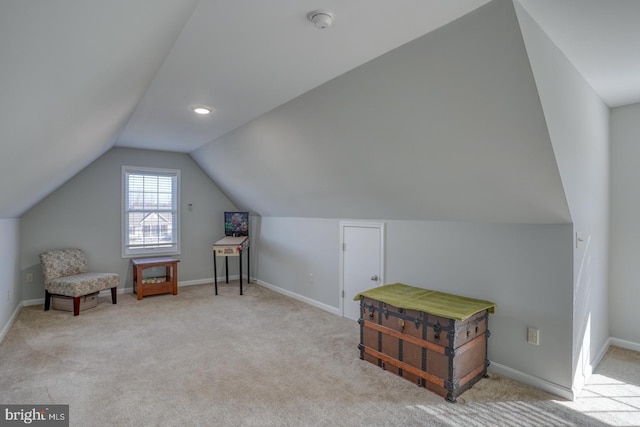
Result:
x=374 y=278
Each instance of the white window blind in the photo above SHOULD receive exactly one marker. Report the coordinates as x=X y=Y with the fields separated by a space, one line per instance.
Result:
x=150 y=211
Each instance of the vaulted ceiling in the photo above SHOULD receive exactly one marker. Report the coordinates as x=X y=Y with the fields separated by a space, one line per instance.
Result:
x=405 y=109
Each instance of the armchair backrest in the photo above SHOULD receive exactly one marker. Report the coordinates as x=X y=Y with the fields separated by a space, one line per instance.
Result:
x=62 y=263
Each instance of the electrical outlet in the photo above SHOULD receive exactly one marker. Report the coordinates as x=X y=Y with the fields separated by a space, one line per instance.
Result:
x=533 y=336
x=311 y=279
x=29 y=277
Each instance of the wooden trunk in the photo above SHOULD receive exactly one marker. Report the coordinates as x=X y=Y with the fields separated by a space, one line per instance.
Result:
x=444 y=355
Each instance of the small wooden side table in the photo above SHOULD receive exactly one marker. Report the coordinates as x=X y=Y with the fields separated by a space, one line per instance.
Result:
x=169 y=284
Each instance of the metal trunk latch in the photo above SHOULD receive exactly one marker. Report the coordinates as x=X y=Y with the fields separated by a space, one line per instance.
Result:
x=436 y=330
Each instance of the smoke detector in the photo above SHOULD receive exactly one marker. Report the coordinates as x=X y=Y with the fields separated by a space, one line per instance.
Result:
x=321 y=18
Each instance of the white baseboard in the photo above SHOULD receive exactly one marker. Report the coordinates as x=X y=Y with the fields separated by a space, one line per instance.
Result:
x=10 y=322
x=325 y=307
x=197 y=282
x=221 y=280
x=107 y=292
x=629 y=345
x=180 y=284
x=506 y=371
x=536 y=382
x=596 y=360
x=581 y=379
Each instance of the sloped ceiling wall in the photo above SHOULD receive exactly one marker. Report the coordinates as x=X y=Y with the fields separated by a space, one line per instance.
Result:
x=67 y=95
x=578 y=122
x=448 y=126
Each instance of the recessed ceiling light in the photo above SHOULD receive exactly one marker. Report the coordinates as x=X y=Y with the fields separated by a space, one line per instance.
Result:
x=201 y=109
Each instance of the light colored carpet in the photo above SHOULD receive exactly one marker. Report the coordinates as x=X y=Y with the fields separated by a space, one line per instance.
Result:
x=261 y=359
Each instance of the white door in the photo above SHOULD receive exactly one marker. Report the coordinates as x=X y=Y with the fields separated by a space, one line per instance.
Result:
x=362 y=263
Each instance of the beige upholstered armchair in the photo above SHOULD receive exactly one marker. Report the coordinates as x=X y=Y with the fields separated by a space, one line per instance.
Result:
x=66 y=273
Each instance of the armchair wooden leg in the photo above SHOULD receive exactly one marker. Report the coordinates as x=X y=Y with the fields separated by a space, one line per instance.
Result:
x=114 y=293
x=47 y=300
x=76 y=306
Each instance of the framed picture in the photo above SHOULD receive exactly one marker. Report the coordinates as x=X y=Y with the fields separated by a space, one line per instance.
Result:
x=236 y=224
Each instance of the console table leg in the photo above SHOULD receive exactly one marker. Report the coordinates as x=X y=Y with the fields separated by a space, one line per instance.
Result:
x=215 y=272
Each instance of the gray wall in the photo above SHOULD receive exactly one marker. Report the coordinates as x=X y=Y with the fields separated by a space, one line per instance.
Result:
x=625 y=224
x=455 y=125
x=10 y=290
x=86 y=213
x=428 y=131
x=578 y=123
x=525 y=269
x=447 y=127
x=289 y=249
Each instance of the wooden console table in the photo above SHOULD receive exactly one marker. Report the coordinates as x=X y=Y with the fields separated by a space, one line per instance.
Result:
x=143 y=288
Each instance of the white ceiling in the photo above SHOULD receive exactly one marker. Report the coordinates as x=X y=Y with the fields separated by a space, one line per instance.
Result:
x=601 y=38
x=244 y=58
x=79 y=77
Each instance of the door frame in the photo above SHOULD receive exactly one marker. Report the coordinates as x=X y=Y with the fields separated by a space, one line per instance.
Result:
x=363 y=224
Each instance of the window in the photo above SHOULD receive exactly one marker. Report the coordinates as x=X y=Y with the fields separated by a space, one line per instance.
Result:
x=150 y=220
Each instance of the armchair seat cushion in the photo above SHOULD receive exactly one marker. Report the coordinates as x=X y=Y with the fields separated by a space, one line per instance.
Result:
x=82 y=284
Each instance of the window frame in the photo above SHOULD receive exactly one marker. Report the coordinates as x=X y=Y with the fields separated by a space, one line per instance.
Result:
x=174 y=249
